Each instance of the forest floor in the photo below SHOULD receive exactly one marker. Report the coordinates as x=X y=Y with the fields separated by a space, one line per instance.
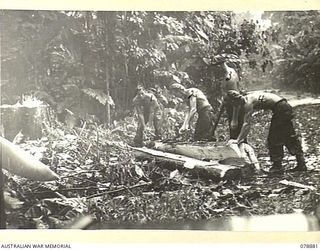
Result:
x=100 y=176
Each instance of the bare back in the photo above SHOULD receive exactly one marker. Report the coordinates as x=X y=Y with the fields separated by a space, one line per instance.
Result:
x=146 y=100
x=202 y=100
x=262 y=100
x=256 y=100
x=231 y=79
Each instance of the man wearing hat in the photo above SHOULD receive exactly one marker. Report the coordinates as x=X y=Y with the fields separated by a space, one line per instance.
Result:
x=197 y=103
x=281 y=132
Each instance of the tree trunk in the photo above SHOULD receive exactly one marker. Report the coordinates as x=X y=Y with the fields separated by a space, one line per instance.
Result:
x=127 y=93
x=28 y=120
x=225 y=155
x=107 y=65
x=207 y=151
x=211 y=170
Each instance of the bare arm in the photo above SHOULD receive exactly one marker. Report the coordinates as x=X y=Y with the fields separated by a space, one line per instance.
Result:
x=190 y=114
x=235 y=115
x=246 y=124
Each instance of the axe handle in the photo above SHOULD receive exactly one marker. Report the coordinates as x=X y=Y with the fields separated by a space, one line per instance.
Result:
x=215 y=125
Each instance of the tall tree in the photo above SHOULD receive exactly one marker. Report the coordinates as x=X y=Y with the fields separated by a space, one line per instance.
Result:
x=66 y=57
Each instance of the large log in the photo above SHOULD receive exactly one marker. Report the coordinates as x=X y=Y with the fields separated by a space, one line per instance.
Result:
x=200 y=151
x=211 y=170
x=225 y=154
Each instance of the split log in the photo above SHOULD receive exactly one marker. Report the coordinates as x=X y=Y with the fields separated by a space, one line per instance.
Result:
x=226 y=155
x=207 y=151
x=211 y=170
x=20 y=162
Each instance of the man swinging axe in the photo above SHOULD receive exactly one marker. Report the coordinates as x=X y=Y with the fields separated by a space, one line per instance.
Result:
x=230 y=81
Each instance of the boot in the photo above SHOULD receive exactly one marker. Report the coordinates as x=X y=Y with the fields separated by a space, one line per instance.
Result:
x=276 y=168
x=301 y=164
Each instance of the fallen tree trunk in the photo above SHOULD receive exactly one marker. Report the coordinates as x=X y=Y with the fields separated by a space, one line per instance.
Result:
x=207 y=151
x=226 y=155
x=211 y=170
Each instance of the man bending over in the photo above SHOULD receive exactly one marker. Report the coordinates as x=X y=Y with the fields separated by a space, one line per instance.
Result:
x=197 y=103
x=281 y=132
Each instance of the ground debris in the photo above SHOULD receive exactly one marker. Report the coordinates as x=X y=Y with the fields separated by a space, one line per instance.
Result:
x=93 y=160
x=296 y=184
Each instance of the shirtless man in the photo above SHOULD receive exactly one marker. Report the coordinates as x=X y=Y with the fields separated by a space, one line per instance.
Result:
x=148 y=109
x=198 y=103
x=234 y=113
x=281 y=132
x=231 y=78
x=230 y=81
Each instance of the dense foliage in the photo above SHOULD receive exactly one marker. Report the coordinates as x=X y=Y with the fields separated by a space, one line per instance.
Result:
x=299 y=39
x=70 y=59
x=85 y=63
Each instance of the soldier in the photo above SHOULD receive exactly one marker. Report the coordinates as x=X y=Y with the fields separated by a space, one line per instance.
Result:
x=148 y=109
x=235 y=114
x=231 y=78
x=230 y=81
x=281 y=132
x=197 y=103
